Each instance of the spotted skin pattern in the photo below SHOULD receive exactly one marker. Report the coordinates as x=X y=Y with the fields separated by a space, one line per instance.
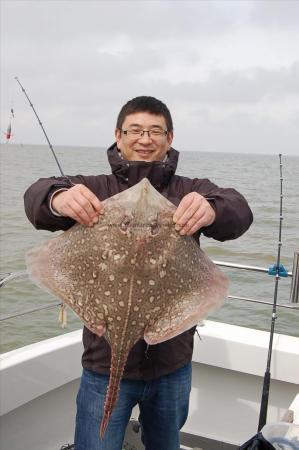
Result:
x=131 y=272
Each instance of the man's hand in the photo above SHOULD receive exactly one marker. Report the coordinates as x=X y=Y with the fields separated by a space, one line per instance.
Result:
x=193 y=213
x=79 y=203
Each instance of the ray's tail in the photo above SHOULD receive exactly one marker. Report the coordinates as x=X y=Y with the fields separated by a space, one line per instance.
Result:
x=118 y=362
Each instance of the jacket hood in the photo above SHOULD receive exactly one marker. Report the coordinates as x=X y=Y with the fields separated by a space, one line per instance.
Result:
x=157 y=172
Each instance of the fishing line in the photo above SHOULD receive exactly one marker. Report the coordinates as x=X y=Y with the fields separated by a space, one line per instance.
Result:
x=44 y=131
x=278 y=269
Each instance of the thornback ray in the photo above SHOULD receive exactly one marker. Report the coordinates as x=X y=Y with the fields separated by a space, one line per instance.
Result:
x=131 y=272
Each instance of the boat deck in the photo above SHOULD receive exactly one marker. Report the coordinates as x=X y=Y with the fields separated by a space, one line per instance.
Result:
x=188 y=442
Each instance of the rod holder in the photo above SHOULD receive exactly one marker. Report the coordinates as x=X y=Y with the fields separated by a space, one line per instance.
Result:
x=295 y=279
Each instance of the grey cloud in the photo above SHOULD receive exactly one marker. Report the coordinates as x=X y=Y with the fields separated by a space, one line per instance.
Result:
x=48 y=20
x=61 y=52
x=242 y=86
x=276 y=14
x=89 y=110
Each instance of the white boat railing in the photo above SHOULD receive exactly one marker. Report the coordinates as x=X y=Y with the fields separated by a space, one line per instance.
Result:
x=294 y=297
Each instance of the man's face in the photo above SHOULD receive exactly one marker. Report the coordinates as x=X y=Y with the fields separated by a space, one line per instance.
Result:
x=143 y=148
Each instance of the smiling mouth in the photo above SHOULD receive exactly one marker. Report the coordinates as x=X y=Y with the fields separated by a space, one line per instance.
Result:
x=144 y=152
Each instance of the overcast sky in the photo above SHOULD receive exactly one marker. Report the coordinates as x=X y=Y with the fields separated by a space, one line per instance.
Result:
x=228 y=70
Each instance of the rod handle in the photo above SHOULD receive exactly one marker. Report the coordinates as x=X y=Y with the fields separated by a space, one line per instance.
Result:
x=264 y=401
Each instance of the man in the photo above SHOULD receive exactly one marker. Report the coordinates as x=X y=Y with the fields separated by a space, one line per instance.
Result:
x=158 y=378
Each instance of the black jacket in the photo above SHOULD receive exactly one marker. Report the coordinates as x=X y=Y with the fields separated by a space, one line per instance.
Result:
x=233 y=218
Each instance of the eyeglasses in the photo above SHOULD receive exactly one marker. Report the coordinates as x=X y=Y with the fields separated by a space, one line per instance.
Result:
x=152 y=134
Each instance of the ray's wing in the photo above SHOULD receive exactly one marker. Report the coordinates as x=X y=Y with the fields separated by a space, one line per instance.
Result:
x=193 y=287
x=79 y=267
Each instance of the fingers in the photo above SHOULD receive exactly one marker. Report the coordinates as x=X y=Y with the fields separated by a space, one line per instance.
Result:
x=99 y=329
x=79 y=203
x=194 y=212
x=85 y=206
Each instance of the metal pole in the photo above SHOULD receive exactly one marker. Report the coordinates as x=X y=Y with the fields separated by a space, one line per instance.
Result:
x=8 y=276
x=263 y=302
x=28 y=311
x=295 y=279
x=246 y=267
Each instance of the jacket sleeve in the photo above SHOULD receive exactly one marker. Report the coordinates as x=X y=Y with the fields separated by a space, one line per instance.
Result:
x=36 y=202
x=233 y=214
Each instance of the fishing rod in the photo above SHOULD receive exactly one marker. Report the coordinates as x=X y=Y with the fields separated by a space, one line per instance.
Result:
x=44 y=131
x=277 y=267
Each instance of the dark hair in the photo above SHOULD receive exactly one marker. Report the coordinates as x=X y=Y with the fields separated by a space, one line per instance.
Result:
x=145 y=104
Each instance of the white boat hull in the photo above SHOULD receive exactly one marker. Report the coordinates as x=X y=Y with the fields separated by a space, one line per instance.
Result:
x=39 y=384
